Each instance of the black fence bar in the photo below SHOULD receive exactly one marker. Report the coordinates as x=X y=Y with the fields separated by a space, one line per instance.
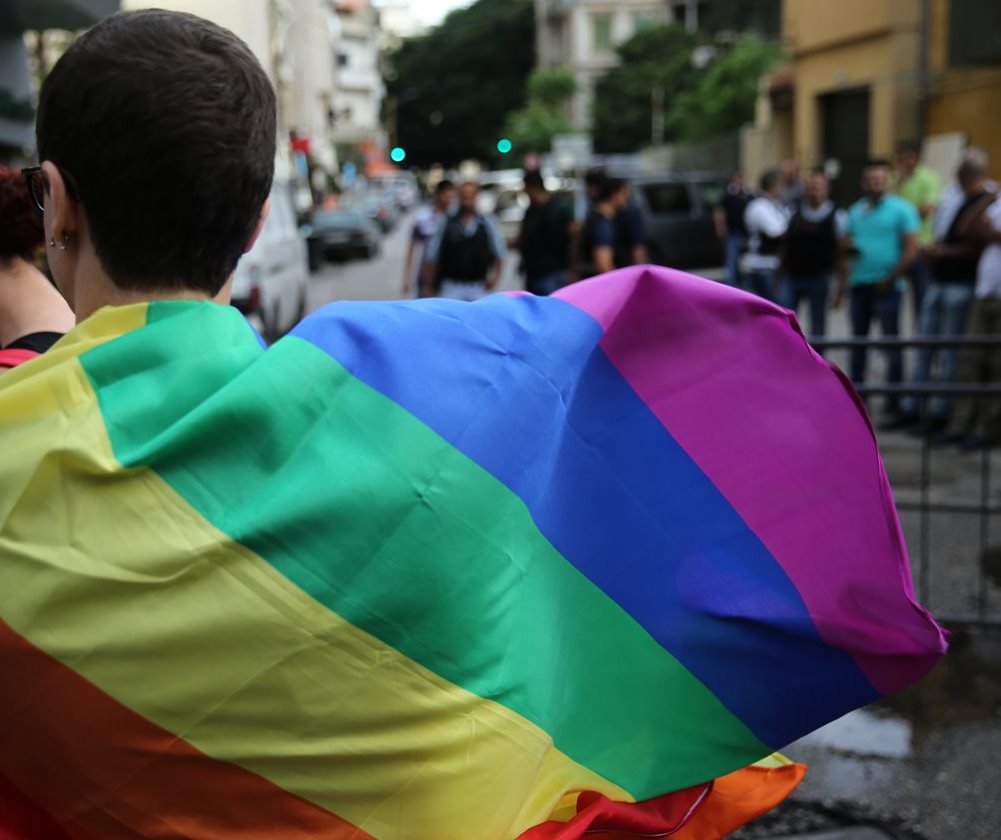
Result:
x=925 y=507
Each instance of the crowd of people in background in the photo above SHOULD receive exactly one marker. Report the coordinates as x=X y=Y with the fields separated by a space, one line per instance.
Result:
x=789 y=243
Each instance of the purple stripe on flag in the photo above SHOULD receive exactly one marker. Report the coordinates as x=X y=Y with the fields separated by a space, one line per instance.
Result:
x=708 y=401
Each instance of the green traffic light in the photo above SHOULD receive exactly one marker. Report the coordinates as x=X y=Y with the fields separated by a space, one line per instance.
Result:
x=504 y=145
x=397 y=155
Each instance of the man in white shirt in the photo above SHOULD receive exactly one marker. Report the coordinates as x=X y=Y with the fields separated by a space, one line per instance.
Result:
x=974 y=422
x=766 y=220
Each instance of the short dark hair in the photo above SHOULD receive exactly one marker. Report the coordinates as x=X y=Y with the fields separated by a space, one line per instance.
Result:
x=769 y=179
x=534 y=180
x=443 y=185
x=21 y=230
x=877 y=163
x=909 y=145
x=595 y=177
x=166 y=122
x=611 y=186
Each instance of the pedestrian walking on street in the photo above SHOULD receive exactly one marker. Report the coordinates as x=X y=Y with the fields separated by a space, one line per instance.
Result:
x=882 y=244
x=598 y=235
x=465 y=257
x=810 y=252
x=974 y=422
x=545 y=238
x=426 y=223
x=946 y=304
x=630 y=232
x=766 y=220
x=728 y=217
x=919 y=185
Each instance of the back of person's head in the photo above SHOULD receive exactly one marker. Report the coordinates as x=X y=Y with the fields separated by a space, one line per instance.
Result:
x=594 y=178
x=611 y=187
x=164 y=124
x=971 y=172
x=769 y=181
x=534 y=180
x=21 y=231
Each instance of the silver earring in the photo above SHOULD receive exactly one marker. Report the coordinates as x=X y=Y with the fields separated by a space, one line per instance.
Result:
x=54 y=244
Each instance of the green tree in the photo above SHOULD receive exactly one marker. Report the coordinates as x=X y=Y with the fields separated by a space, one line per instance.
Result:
x=453 y=87
x=724 y=98
x=532 y=128
x=659 y=58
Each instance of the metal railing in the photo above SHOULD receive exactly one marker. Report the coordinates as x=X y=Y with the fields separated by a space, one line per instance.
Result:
x=987 y=611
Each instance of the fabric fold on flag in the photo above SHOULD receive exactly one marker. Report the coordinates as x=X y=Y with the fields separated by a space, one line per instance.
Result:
x=439 y=570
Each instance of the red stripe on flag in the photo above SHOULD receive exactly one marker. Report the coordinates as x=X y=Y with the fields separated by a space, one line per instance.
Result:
x=659 y=817
x=101 y=770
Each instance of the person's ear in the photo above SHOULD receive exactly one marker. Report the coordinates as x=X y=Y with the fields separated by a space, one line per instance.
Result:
x=265 y=209
x=62 y=212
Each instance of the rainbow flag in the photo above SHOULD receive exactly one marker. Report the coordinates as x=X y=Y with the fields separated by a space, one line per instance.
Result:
x=525 y=567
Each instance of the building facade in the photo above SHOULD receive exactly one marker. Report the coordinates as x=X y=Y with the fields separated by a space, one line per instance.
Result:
x=582 y=35
x=864 y=74
x=360 y=89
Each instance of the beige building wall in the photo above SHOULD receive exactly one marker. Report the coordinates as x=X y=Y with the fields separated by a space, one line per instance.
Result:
x=853 y=44
x=962 y=99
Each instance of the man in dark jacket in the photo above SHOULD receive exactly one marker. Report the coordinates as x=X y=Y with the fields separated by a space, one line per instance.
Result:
x=544 y=241
x=810 y=252
x=465 y=257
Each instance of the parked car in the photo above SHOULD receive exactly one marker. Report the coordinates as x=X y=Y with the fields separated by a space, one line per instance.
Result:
x=271 y=281
x=677 y=212
x=344 y=232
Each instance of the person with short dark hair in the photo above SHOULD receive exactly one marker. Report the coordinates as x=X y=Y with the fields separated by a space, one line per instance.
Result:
x=464 y=258
x=728 y=217
x=766 y=220
x=630 y=233
x=882 y=243
x=428 y=219
x=545 y=238
x=33 y=315
x=157 y=133
x=810 y=252
x=598 y=235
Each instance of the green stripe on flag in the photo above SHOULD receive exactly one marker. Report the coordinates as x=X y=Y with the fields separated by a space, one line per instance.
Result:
x=370 y=512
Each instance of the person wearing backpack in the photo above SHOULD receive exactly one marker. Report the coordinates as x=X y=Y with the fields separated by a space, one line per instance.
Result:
x=464 y=258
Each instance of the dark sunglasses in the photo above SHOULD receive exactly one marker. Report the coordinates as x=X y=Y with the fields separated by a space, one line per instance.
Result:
x=38 y=185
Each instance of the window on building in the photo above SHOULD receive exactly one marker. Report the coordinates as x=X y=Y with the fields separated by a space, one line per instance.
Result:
x=643 y=21
x=342 y=59
x=601 y=31
x=974 y=32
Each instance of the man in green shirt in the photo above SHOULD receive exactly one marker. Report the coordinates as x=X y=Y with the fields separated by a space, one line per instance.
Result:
x=921 y=187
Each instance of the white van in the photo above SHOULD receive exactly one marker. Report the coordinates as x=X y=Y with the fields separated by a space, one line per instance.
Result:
x=271 y=282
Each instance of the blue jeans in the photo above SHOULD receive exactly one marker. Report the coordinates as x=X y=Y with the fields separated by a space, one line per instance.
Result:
x=868 y=304
x=920 y=278
x=733 y=243
x=944 y=310
x=795 y=288
x=761 y=283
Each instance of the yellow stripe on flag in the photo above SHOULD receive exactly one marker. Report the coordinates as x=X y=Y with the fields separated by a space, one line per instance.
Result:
x=132 y=589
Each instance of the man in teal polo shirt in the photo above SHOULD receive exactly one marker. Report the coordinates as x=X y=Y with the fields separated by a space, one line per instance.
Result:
x=882 y=242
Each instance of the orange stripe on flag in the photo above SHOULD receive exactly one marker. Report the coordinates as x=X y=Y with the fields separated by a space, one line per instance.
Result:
x=117 y=775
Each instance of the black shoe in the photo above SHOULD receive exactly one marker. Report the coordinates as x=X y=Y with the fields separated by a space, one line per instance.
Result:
x=896 y=422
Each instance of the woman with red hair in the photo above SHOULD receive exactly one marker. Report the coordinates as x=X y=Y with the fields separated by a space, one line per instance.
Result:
x=33 y=315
